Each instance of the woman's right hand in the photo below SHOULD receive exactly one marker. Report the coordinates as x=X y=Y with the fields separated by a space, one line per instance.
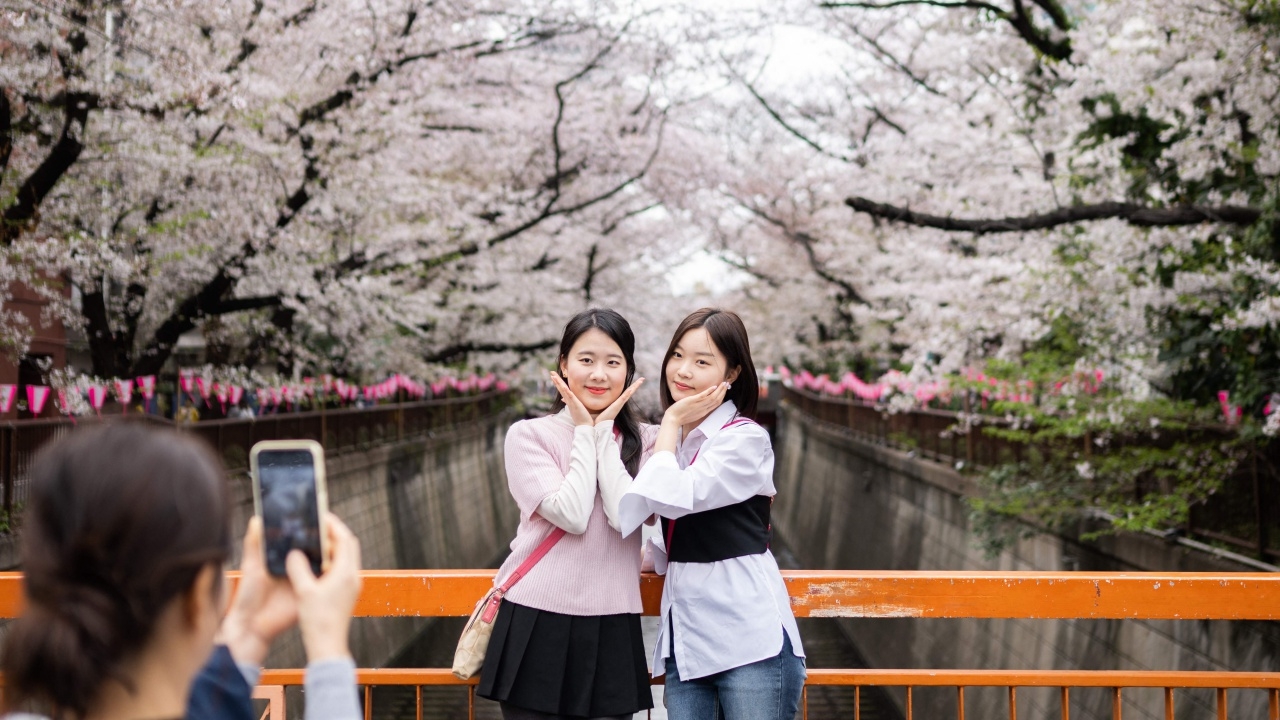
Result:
x=263 y=606
x=616 y=406
x=696 y=406
x=325 y=603
x=577 y=411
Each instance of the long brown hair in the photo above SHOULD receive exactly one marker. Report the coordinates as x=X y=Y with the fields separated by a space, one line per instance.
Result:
x=730 y=338
x=120 y=521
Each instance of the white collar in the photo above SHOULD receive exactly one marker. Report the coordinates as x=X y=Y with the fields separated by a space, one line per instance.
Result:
x=565 y=416
x=716 y=421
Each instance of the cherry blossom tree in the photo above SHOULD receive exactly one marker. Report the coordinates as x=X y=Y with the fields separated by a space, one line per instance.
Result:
x=346 y=185
x=349 y=186
x=941 y=182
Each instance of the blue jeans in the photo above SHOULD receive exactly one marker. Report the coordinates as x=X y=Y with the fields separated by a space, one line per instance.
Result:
x=764 y=690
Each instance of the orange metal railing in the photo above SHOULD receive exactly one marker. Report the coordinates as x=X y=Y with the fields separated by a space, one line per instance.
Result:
x=858 y=594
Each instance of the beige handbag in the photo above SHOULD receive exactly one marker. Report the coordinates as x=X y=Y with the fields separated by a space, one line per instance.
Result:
x=469 y=657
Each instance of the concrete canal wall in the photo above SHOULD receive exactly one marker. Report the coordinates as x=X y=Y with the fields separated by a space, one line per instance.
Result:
x=846 y=504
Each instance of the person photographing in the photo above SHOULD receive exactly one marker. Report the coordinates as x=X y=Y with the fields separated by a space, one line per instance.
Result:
x=125 y=540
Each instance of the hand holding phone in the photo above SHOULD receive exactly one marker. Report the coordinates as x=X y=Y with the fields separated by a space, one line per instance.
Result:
x=325 y=604
x=262 y=608
x=290 y=495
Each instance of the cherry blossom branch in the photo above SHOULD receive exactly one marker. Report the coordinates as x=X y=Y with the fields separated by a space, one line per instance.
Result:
x=1018 y=18
x=806 y=243
x=613 y=225
x=6 y=132
x=593 y=270
x=209 y=299
x=548 y=212
x=235 y=305
x=781 y=120
x=893 y=59
x=459 y=350
x=1133 y=214
x=183 y=318
x=356 y=80
x=746 y=267
x=557 y=152
x=57 y=162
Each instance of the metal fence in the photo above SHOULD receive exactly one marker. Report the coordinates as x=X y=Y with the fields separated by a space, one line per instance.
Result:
x=880 y=594
x=1243 y=515
x=339 y=430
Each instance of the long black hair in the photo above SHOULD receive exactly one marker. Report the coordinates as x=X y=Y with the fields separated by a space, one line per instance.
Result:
x=730 y=337
x=618 y=329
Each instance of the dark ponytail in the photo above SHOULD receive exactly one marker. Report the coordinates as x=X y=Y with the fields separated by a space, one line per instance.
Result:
x=619 y=330
x=120 y=521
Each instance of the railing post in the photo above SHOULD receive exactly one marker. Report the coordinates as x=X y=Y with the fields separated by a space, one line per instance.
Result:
x=968 y=431
x=10 y=460
x=1260 y=508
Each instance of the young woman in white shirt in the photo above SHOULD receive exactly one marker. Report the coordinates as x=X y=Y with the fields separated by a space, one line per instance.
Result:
x=566 y=641
x=728 y=642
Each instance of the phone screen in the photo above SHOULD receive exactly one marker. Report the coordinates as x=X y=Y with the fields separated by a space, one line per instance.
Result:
x=290 y=512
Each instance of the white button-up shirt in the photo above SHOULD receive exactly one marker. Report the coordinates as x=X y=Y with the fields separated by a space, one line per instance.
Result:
x=727 y=613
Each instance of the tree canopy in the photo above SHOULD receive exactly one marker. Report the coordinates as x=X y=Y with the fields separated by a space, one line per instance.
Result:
x=349 y=186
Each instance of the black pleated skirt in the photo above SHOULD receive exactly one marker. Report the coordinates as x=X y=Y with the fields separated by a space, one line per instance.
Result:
x=571 y=665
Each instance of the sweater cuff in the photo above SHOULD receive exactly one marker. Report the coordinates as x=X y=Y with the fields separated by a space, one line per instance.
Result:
x=331 y=690
x=658 y=488
x=251 y=673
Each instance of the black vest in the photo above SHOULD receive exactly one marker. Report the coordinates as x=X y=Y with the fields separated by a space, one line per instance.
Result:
x=728 y=532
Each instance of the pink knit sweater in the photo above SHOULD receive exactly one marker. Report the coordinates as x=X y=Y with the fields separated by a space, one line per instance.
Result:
x=595 y=573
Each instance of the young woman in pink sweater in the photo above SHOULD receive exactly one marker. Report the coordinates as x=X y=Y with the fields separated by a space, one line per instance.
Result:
x=566 y=642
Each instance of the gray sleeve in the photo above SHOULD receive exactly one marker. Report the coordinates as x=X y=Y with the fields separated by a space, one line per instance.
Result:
x=331 y=690
x=251 y=673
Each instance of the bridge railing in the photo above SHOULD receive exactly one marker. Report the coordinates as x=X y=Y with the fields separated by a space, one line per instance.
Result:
x=1244 y=514
x=339 y=430
x=858 y=594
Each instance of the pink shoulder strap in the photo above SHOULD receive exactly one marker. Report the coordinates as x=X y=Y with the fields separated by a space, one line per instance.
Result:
x=533 y=559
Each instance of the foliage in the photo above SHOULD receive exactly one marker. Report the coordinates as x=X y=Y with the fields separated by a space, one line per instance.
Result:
x=1139 y=464
x=9 y=520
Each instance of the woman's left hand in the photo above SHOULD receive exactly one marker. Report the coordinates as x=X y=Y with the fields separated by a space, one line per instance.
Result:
x=263 y=606
x=616 y=406
x=696 y=406
x=577 y=411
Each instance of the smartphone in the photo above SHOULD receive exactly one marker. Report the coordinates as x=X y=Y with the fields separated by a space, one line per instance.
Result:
x=290 y=496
